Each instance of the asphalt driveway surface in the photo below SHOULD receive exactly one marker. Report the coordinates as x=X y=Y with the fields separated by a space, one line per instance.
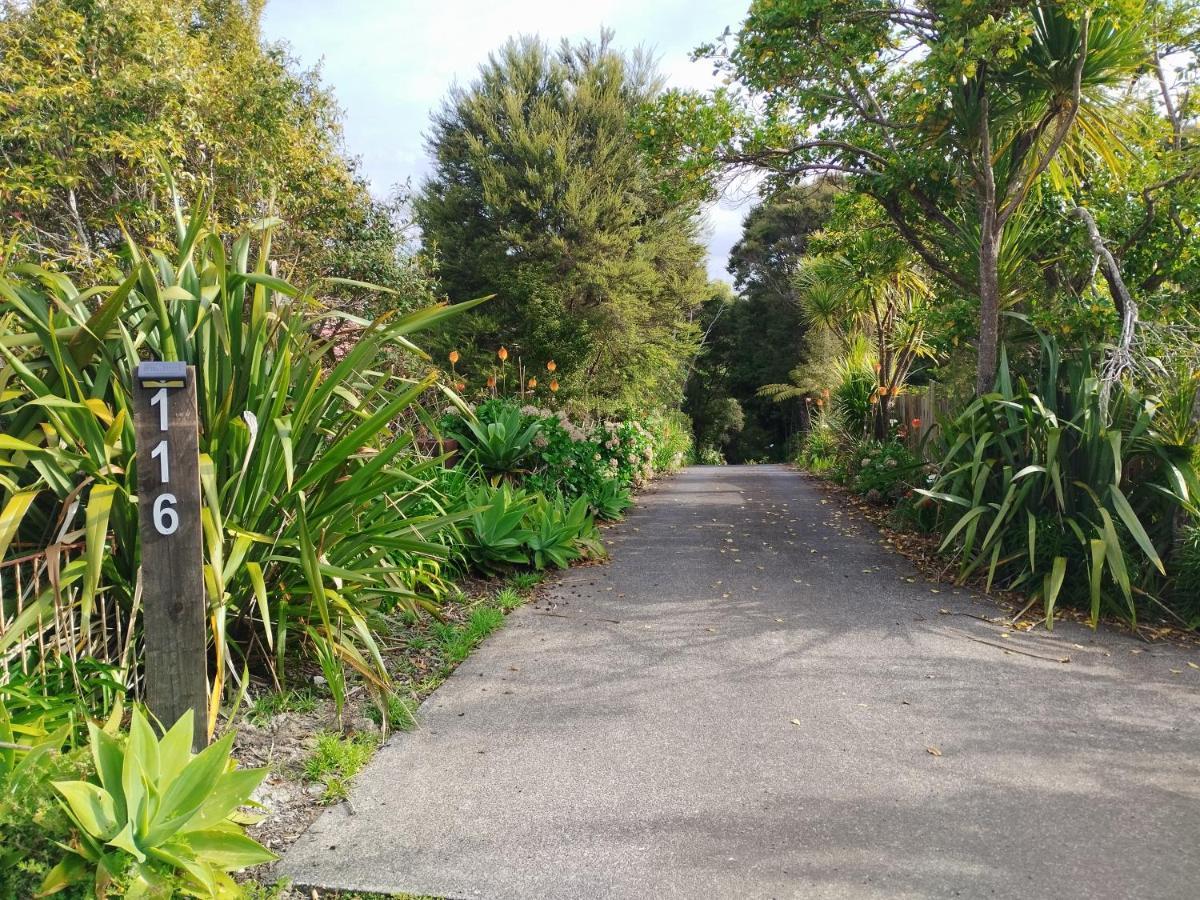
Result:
x=755 y=698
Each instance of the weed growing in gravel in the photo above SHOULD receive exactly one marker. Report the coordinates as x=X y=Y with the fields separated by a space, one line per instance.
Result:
x=268 y=706
x=508 y=599
x=337 y=759
x=457 y=641
x=525 y=581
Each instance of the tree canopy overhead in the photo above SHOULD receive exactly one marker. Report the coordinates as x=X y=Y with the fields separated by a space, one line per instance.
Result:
x=103 y=103
x=541 y=195
x=953 y=117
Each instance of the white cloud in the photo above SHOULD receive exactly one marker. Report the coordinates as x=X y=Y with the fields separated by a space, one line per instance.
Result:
x=391 y=62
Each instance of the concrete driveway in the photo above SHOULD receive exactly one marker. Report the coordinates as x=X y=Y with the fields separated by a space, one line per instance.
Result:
x=755 y=699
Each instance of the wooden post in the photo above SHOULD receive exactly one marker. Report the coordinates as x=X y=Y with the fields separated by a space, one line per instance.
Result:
x=173 y=602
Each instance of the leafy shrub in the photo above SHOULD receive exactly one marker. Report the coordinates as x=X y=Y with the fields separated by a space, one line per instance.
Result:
x=302 y=473
x=710 y=456
x=1185 y=570
x=855 y=389
x=495 y=533
x=822 y=443
x=885 y=470
x=499 y=439
x=1045 y=490
x=627 y=449
x=568 y=461
x=671 y=435
x=156 y=815
x=559 y=535
x=610 y=499
x=58 y=697
x=32 y=820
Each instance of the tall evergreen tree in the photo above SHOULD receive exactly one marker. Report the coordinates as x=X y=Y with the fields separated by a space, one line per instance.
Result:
x=540 y=196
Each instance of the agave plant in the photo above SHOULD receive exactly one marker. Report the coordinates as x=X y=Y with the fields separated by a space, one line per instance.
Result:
x=495 y=532
x=156 y=813
x=559 y=535
x=310 y=493
x=610 y=498
x=1043 y=489
x=499 y=440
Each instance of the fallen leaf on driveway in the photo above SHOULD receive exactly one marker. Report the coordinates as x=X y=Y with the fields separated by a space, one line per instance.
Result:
x=795 y=721
x=933 y=751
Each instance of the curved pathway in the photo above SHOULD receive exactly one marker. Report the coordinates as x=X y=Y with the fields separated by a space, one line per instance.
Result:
x=755 y=699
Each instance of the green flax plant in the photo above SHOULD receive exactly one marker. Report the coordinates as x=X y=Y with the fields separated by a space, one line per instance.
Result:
x=1048 y=492
x=315 y=510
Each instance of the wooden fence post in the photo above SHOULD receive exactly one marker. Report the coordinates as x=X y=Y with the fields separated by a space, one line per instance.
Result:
x=166 y=422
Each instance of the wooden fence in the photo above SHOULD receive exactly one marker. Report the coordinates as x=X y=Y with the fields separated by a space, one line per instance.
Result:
x=923 y=406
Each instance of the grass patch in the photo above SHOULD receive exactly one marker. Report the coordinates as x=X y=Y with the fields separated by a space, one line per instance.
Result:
x=507 y=599
x=336 y=760
x=268 y=706
x=457 y=641
x=401 y=713
x=526 y=581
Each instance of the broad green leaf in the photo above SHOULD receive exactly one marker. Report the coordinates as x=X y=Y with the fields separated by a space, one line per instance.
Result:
x=231 y=790
x=1129 y=517
x=91 y=807
x=99 y=506
x=1098 y=549
x=1051 y=586
x=229 y=851
x=187 y=793
x=10 y=518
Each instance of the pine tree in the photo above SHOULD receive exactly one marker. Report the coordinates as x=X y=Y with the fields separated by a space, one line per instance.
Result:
x=540 y=196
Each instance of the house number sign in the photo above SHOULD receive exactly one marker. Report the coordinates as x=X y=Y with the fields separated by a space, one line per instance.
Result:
x=166 y=423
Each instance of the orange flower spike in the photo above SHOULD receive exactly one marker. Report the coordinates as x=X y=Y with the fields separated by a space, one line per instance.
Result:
x=551 y=366
x=502 y=353
x=491 y=382
x=553 y=385
x=916 y=423
x=532 y=383
x=460 y=386
x=453 y=357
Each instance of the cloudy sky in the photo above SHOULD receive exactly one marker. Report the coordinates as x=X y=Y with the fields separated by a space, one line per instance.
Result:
x=391 y=61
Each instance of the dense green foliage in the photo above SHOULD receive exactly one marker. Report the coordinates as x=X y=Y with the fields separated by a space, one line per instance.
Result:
x=31 y=817
x=1047 y=491
x=758 y=335
x=102 y=98
x=953 y=119
x=157 y=818
x=1035 y=159
x=285 y=426
x=541 y=197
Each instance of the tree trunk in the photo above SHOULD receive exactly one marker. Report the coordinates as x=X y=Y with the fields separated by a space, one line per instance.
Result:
x=989 y=311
